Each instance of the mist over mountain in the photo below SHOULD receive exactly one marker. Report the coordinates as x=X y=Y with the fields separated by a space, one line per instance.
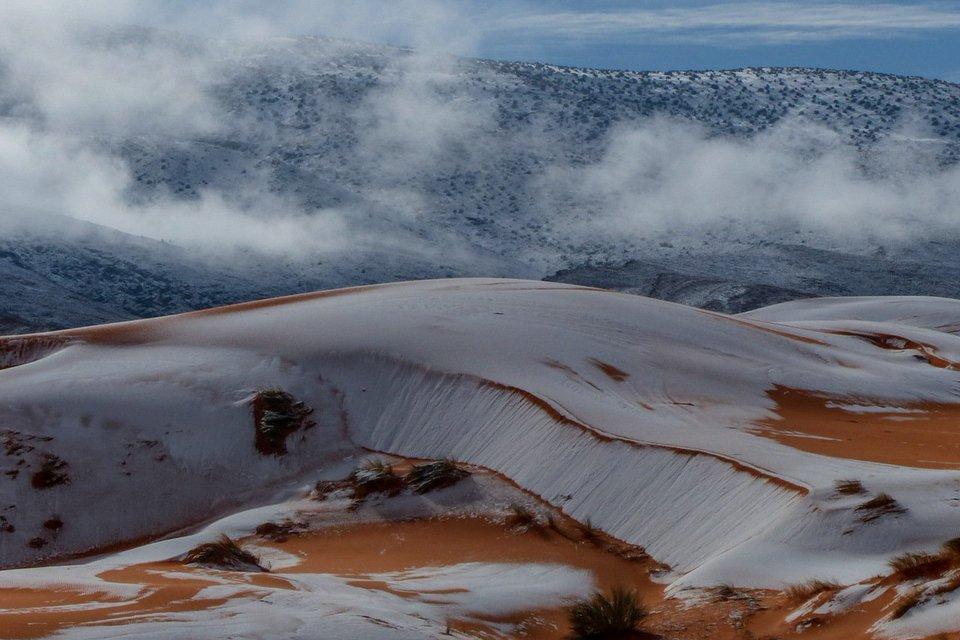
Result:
x=196 y=172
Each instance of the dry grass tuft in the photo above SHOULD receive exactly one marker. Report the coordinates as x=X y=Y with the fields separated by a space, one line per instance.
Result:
x=375 y=476
x=588 y=531
x=225 y=554
x=434 y=475
x=906 y=603
x=276 y=415
x=324 y=488
x=276 y=531
x=849 y=487
x=520 y=516
x=911 y=566
x=803 y=591
x=880 y=505
x=600 y=616
x=724 y=592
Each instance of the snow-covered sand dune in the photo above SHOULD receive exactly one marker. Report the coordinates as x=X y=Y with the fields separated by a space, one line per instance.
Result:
x=713 y=441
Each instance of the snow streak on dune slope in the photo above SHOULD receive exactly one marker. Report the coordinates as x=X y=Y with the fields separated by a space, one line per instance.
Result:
x=928 y=312
x=666 y=426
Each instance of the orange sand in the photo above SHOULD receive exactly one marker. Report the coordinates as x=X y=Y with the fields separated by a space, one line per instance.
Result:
x=35 y=613
x=929 y=438
x=357 y=551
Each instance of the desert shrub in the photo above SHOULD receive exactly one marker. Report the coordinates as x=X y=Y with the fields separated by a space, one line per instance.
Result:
x=434 y=475
x=276 y=531
x=803 y=591
x=599 y=616
x=911 y=566
x=588 y=531
x=520 y=516
x=323 y=488
x=375 y=476
x=880 y=505
x=724 y=592
x=223 y=553
x=849 y=487
x=277 y=414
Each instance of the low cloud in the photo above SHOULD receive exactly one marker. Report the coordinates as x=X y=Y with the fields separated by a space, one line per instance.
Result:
x=667 y=175
x=73 y=93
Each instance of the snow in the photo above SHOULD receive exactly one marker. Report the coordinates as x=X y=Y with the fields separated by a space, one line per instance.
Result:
x=513 y=376
x=916 y=311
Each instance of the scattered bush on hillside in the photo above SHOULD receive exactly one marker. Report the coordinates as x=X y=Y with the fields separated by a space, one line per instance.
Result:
x=600 y=617
x=224 y=553
x=37 y=543
x=50 y=474
x=53 y=524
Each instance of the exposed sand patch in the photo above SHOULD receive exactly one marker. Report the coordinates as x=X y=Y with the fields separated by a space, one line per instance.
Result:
x=36 y=613
x=611 y=371
x=354 y=551
x=921 y=435
x=898 y=343
x=361 y=551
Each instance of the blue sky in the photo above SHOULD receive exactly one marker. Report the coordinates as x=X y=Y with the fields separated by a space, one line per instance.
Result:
x=914 y=38
x=920 y=37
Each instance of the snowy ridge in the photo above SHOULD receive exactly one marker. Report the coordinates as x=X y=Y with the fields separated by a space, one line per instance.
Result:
x=683 y=507
x=927 y=312
x=659 y=423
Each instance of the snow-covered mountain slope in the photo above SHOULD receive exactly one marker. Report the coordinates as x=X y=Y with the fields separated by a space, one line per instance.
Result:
x=458 y=167
x=714 y=441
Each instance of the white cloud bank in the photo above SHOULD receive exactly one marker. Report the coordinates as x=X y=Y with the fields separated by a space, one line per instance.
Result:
x=67 y=92
x=673 y=175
